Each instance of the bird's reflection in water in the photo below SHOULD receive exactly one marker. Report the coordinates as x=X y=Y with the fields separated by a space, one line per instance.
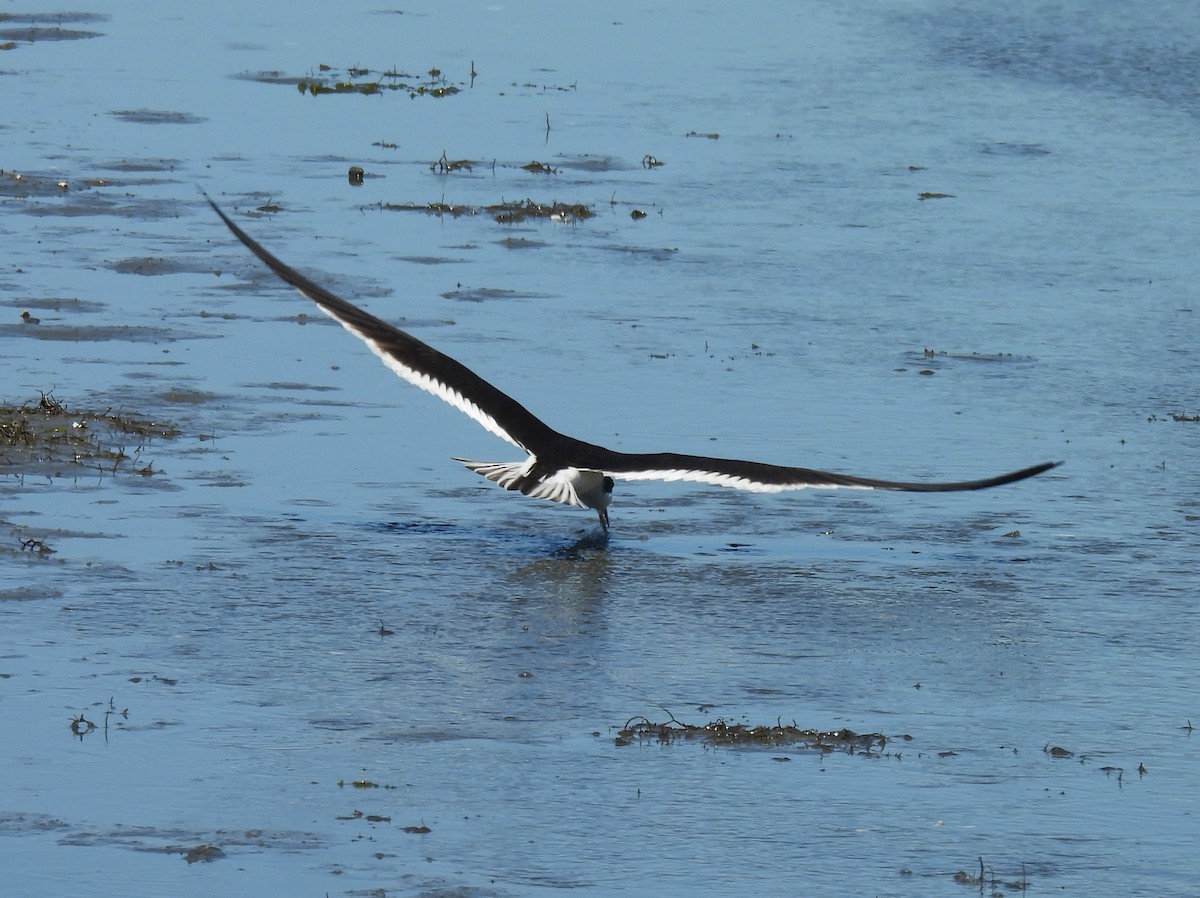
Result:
x=576 y=573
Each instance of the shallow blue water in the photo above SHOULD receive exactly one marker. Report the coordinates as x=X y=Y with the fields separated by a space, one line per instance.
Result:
x=777 y=302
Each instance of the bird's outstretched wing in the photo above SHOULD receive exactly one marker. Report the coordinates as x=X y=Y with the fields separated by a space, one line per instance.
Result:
x=764 y=478
x=437 y=373
x=416 y=362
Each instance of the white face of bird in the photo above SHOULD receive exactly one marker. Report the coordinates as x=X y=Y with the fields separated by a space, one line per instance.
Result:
x=593 y=488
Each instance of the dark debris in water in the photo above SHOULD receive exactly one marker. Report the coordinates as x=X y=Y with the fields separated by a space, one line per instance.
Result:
x=32 y=33
x=202 y=853
x=46 y=438
x=445 y=165
x=504 y=212
x=367 y=82
x=1113 y=771
x=988 y=879
x=586 y=162
x=777 y=735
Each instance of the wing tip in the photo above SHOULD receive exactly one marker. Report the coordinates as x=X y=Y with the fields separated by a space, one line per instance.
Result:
x=1041 y=469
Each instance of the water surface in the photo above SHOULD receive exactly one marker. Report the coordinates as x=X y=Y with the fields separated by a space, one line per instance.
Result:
x=909 y=240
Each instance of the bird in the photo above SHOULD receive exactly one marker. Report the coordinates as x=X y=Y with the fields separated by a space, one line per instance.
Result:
x=559 y=467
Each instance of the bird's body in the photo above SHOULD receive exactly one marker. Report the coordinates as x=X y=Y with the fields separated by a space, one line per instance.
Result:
x=559 y=467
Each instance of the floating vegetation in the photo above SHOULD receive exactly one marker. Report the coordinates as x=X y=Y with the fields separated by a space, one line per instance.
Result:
x=988 y=879
x=363 y=784
x=721 y=732
x=356 y=814
x=505 y=213
x=42 y=437
x=508 y=213
x=585 y=163
x=204 y=853
x=445 y=166
x=995 y=357
x=1113 y=771
x=81 y=726
x=439 y=208
x=367 y=82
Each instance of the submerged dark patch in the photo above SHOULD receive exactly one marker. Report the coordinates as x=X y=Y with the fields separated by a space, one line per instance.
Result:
x=157 y=117
x=75 y=333
x=36 y=34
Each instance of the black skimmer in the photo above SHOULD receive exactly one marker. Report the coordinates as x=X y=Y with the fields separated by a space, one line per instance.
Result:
x=559 y=467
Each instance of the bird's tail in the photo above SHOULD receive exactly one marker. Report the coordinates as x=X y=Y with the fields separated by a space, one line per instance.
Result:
x=515 y=475
x=509 y=474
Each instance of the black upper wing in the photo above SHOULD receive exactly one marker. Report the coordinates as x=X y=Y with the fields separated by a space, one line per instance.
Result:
x=417 y=362
x=764 y=478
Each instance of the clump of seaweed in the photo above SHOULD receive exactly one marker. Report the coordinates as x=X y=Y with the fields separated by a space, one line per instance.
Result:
x=367 y=82
x=721 y=732
x=507 y=213
x=504 y=212
x=445 y=165
x=988 y=878
x=41 y=437
x=438 y=208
